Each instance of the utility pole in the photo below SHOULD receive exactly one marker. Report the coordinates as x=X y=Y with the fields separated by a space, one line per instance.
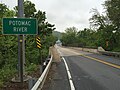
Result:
x=21 y=44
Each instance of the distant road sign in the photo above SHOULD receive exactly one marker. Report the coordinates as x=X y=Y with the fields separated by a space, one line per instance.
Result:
x=19 y=26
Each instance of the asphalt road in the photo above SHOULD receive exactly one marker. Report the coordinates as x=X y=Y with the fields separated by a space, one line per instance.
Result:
x=80 y=70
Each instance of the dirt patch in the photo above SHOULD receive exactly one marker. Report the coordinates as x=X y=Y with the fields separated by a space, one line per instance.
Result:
x=15 y=86
x=56 y=55
x=20 y=86
x=50 y=76
x=53 y=70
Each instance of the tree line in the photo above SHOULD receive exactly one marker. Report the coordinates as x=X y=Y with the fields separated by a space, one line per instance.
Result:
x=9 y=43
x=104 y=29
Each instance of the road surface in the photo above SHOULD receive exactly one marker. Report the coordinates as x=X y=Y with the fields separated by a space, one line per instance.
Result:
x=80 y=70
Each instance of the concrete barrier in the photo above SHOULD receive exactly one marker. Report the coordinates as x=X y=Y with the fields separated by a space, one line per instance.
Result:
x=90 y=50
x=115 y=54
x=86 y=49
x=100 y=50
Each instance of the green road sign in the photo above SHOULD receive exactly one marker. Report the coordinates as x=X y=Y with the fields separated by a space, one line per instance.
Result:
x=19 y=26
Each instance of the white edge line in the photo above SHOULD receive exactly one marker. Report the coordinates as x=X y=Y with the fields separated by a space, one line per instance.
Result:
x=69 y=75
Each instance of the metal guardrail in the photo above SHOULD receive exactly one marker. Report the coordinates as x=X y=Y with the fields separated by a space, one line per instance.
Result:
x=40 y=82
x=115 y=54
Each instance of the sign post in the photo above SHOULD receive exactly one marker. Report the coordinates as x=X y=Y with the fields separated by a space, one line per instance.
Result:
x=38 y=42
x=21 y=42
x=20 y=26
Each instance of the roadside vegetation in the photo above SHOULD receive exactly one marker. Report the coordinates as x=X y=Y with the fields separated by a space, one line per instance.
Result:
x=104 y=29
x=9 y=43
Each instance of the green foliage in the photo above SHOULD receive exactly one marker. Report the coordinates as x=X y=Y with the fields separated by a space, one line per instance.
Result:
x=9 y=44
x=3 y=10
x=104 y=31
x=8 y=58
x=1 y=83
x=86 y=37
x=69 y=37
x=6 y=73
x=31 y=67
x=40 y=17
x=29 y=9
x=45 y=28
x=117 y=49
x=105 y=37
x=44 y=53
x=113 y=11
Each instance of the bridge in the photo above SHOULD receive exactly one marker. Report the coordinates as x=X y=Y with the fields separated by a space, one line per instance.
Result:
x=81 y=70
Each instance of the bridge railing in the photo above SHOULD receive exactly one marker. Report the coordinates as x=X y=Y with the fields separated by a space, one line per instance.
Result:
x=115 y=54
x=40 y=82
x=109 y=53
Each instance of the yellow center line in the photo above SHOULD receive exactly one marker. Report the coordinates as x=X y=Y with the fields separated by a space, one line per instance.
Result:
x=101 y=61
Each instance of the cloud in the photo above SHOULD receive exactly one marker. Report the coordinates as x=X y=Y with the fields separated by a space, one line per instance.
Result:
x=66 y=13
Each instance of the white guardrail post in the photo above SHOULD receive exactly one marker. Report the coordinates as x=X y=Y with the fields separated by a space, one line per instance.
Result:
x=40 y=82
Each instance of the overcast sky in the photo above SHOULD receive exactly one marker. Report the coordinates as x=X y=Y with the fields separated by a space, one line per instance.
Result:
x=65 y=13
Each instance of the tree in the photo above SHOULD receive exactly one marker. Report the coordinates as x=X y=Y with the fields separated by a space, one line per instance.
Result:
x=5 y=12
x=9 y=45
x=44 y=28
x=29 y=9
x=105 y=30
x=8 y=55
x=113 y=12
x=69 y=37
x=86 y=38
x=98 y=21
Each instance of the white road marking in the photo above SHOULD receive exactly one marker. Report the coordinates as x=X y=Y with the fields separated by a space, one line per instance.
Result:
x=71 y=52
x=69 y=75
x=68 y=72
